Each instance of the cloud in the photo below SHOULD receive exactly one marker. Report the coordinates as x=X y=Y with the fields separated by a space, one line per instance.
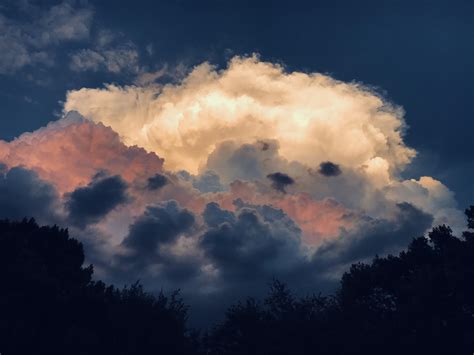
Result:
x=112 y=52
x=251 y=246
x=89 y=204
x=328 y=168
x=24 y=194
x=65 y=22
x=208 y=181
x=147 y=77
x=33 y=40
x=214 y=216
x=70 y=151
x=86 y=59
x=431 y=196
x=157 y=181
x=159 y=224
x=114 y=60
x=372 y=237
x=253 y=119
x=280 y=181
x=249 y=161
x=309 y=114
x=204 y=162
x=156 y=247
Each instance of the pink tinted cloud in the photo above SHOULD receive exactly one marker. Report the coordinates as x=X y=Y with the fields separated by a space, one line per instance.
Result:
x=69 y=153
x=318 y=219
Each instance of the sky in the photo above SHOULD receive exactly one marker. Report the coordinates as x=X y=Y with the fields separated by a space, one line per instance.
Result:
x=213 y=145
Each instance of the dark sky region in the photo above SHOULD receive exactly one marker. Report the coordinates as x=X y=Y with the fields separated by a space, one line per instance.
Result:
x=218 y=214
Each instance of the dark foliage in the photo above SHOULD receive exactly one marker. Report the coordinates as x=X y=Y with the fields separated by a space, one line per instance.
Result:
x=420 y=302
x=50 y=305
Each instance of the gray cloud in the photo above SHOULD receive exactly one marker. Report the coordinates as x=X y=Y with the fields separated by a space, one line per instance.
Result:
x=374 y=237
x=214 y=216
x=146 y=249
x=156 y=182
x=91 y=203
x=160 y=223
x=113 y=60
x=251 y=246
x=208 y=181
x=24 y=194
x=112 y=53
x=245 y=162
x=33 y=41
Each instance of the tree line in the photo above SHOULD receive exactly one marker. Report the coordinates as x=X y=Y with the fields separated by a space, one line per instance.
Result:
x=419 y=302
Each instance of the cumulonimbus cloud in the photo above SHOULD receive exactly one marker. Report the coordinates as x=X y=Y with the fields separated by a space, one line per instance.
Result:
x=290 y=173
x=314 y=117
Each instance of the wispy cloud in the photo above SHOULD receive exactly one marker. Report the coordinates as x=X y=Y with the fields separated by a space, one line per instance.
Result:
x=111 y=52
x=34 y=38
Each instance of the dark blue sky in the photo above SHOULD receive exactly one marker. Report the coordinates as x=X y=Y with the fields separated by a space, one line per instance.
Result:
x=420 y=54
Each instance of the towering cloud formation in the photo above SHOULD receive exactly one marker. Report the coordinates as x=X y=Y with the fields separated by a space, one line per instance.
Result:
x=226 y=179
x=314 y=117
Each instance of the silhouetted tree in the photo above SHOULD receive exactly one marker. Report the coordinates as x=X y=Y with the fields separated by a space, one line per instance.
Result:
x=50 y=305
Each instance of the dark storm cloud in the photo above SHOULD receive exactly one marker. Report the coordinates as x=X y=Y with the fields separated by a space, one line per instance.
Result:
x=257 y=243
x=280 y=181
x=251 y=245
x=91 y=203
x=246 y=248
x=375 y=237
x=161 y=223
x=157 y=181
x=328 y=168
x=24 y=194
x=214 y=216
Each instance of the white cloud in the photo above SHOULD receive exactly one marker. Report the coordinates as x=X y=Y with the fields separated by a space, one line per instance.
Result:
x=217 y=120
x=314 y=117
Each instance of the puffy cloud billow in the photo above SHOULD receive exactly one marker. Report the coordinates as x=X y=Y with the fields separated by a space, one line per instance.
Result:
x=314 y=117
x=226 y=179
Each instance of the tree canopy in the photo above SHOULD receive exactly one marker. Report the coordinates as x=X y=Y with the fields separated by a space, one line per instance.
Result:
x=49 y=303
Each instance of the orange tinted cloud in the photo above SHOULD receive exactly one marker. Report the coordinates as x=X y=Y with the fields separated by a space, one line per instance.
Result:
x=70 y=151
x=318 y=219
x=313 y=116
